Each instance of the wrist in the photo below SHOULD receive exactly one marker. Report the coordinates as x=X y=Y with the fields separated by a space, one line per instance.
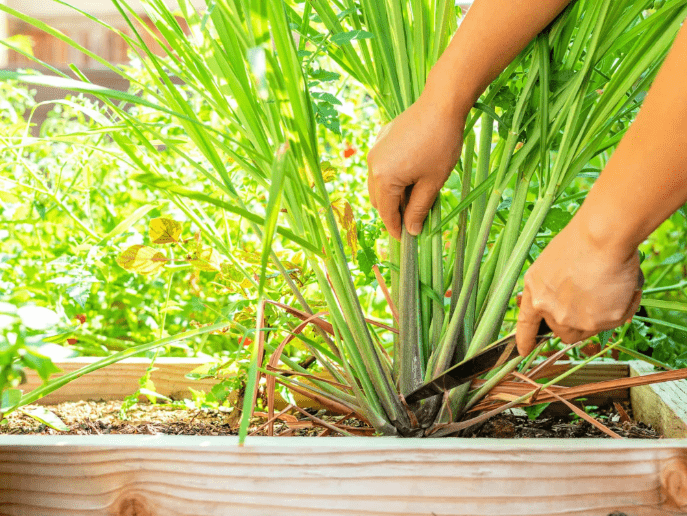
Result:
x=601 y=231
x=446 y=92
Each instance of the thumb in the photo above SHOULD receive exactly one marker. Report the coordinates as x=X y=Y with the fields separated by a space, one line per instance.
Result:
x=421 y=200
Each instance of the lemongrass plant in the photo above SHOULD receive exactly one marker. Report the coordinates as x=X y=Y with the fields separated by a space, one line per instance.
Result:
x=242 y=59
x=580 y=83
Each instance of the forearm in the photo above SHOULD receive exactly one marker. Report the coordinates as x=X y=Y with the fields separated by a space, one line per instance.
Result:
x=645 y=180
x=492 y=34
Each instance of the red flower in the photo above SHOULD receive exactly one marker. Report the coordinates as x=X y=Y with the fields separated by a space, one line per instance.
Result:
x=448 y=293
x=349 y=151
x=247 y=342
x=81 y=318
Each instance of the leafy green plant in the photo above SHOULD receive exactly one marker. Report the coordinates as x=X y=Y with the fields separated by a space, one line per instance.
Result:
x=21 y=332
x=259 y=164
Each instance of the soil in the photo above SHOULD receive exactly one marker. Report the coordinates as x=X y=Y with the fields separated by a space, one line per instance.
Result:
x=102 y=417
x=510 y=425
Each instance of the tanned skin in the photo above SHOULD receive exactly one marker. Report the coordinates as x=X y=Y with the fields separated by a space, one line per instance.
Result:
x=587 y=279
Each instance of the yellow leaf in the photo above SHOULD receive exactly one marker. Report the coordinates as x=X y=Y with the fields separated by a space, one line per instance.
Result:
x=206 y=259
x=344 y=215
x=142 y=259
x=164 y=231
x=328 y=171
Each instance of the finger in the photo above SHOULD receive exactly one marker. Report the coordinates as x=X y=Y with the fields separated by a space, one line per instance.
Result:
x=634 y=306
x=388 y=204
x=570 y=335
x=528 y=325
x=421 y=200
x=640 y=279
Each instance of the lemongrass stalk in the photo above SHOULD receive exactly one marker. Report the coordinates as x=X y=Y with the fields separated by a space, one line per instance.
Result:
x=395 y=260
x=397 y=34
x=534 y=354
x=416 y=19
x=441 y=359
x=444 y=26
x=542 y=45
x=505 y=284
x=452 y=408
x=481 y=173
x=515 y=217
x=443 y=355
x=425 y=263
x=379 y=376
x=370 y=404
x=486 y=279
x=460 y=237
x=319 y=387
x=410 y=347
x=492 y=382
x=347 y=344
x=437 y=281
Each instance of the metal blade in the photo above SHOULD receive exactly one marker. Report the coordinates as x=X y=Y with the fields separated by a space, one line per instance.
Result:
x=463 y=372
x=471 y=368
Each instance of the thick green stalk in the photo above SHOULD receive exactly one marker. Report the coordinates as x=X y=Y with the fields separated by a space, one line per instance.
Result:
x=410 y=336
x=460 y=242
x=503 y=288
x=481 y=173
x=437 y=280
x=395 y=259
x=515 y=217
x=544 y=65
x=397 y=33
x=486 y=276
x=425 y=274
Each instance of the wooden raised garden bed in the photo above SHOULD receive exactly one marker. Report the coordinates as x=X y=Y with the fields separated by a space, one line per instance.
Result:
x=163 y=475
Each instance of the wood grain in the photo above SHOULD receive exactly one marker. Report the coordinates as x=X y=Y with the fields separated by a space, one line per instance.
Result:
x=662 y=405
x=169 y=476
x=121 y=379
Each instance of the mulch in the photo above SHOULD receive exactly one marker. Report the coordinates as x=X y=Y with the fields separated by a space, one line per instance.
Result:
x=102 y=417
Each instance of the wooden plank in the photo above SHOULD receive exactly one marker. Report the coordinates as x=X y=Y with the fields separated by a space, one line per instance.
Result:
x=599 y=372
x=175 y=475
x=662 y=405
x=119 y=380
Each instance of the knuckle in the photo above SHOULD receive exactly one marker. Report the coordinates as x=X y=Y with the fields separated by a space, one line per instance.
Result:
x=617 y=314
x=538 y=304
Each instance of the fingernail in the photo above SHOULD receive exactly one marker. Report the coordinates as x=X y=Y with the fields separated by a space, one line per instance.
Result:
x=415 y=228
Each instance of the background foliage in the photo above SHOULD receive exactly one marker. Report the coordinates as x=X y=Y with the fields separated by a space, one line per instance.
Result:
x=71 y=184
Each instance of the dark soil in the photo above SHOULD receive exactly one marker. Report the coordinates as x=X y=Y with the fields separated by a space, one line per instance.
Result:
x=90 y=417
x=509 y=425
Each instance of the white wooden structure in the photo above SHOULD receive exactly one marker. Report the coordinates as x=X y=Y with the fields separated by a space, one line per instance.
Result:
x=292 y=476
x=143 y=475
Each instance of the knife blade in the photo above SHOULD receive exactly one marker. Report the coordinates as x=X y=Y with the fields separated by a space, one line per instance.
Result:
x=469 y=369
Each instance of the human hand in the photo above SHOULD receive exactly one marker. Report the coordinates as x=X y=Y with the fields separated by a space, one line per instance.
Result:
x=579 y=288
x=419 y=147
